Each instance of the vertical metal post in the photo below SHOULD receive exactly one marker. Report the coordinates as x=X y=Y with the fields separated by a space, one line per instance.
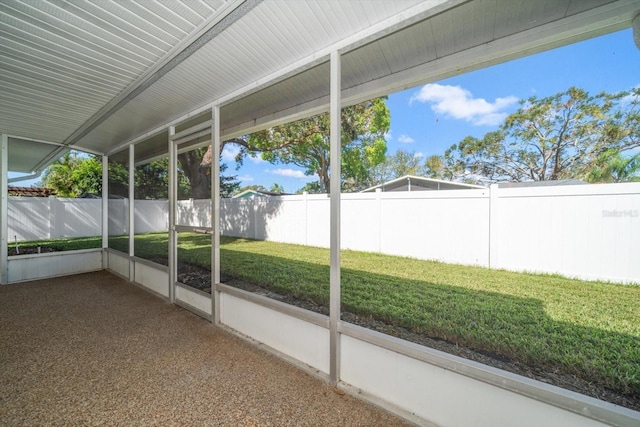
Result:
x=105 y=211
x=215 y=214
x=173 y=195
x=334 y=290
x=132 y=183
x=4 y=209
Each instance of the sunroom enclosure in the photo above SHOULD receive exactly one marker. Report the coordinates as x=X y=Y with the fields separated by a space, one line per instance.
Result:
x=386 y=54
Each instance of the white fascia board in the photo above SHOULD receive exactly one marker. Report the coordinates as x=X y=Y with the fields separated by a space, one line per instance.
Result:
x=592 y=23
x=403 y=19
x=548 y=36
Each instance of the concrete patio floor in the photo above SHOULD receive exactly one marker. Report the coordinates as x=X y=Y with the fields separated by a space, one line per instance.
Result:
x=92 y=349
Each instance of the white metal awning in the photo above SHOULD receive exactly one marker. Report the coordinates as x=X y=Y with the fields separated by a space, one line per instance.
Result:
x=97 y=75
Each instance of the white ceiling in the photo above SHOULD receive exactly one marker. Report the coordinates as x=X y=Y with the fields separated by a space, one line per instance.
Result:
x=96 y=74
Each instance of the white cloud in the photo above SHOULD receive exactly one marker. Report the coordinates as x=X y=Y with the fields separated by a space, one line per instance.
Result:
x=405 y=139
x=257 y=160
x=229 y=152
x=245 y=178
x=387 y=136
x=289 y=173
x=628 y=100
x=418 y=155
x=459 y=103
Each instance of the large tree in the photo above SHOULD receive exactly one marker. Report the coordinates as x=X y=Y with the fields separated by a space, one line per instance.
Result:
x=306 y=143
x=399 y=164
x=75 y=174
x=195 y=167
x=614 y=167
x=561 y=136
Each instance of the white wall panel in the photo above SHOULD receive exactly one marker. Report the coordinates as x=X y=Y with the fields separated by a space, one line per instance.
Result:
x=152 y=278
x=31 y=267
x=301 y=340
x=194 y=299
x=441 y=396
x=118 y=264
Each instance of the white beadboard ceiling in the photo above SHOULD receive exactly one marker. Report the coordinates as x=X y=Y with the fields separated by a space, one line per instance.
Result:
x=97 y=74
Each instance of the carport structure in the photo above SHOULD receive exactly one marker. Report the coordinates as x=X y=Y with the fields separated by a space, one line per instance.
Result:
x=143 y=80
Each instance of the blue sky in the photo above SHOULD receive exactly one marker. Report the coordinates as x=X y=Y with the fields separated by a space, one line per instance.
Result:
x=430 y=118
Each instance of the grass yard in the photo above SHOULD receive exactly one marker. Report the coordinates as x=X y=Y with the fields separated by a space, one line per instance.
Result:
x=587 y=329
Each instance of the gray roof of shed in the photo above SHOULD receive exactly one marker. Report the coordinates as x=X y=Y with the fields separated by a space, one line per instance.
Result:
x=420 y=183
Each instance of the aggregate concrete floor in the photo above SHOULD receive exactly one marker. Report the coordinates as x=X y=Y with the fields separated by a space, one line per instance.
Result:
x=93 y=349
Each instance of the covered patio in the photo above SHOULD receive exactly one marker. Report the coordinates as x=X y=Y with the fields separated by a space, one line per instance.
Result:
x=91 y=349
x=133 y=82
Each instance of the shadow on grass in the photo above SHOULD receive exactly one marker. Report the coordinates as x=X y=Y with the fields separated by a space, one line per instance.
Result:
x=119 y=243
x=513 y=328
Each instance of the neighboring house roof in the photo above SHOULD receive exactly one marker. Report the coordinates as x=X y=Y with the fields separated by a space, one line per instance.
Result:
x=256 y=193
x=554 y=183
x=30 y=191
x=420 y=183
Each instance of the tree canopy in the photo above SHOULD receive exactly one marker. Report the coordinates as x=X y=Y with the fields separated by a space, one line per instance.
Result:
x=399 y=164
x=305 y=143
x=74 y=175
x=614 y=167
x=566 y=135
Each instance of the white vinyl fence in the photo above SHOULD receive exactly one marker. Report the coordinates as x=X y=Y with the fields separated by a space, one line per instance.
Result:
x=36 y=218
x=588 y=231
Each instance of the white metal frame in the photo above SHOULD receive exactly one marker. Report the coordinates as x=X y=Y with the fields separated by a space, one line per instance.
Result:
x=105 y=211
x=335 y=156
x=173 y=194
x=4 y=209
x=215 y=214
x=132 y=197
x=175 y=140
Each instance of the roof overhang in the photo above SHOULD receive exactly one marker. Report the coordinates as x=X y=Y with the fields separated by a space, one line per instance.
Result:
x=98 y=77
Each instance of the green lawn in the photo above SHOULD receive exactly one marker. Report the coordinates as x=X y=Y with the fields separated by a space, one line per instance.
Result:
x=589 y=329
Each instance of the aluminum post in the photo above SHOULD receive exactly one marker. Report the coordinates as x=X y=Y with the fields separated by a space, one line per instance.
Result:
x=4 y=209
x=334 y=282
x=215 y=213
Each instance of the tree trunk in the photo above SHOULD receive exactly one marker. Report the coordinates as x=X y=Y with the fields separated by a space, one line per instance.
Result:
x=197 y=174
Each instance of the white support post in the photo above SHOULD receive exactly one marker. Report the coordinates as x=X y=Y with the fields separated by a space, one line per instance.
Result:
x=4 y=209
x=215 y=214
x=173 y=195
x=105 y=211
x=132 y=183
x=334 y=290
